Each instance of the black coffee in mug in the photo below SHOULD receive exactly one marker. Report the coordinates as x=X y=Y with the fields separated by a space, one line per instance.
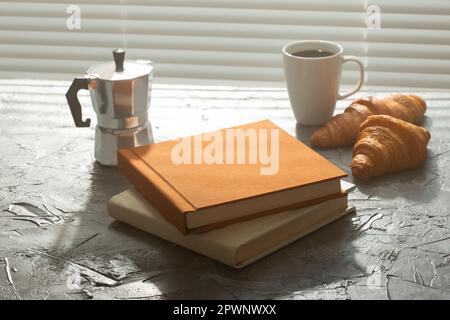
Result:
x=312 y=54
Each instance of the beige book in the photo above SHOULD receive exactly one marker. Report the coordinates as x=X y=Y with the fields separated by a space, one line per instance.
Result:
x=236 y=245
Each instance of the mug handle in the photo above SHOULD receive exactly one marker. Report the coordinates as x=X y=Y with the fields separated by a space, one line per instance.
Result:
x=361 y=76
x=73 y=102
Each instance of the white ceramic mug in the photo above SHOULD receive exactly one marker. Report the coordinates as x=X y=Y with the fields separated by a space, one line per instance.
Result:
x=313 y=83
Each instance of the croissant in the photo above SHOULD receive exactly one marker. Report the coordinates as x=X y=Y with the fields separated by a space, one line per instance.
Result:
x=343 y=128
x=387 y=144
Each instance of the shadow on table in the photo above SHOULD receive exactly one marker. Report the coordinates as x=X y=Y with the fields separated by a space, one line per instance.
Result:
x=419 y=185
x=103 y=183
x=303 y=133
x=324 y=256
x=340 y=156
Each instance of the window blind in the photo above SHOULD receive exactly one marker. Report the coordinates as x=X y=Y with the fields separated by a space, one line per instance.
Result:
x=226 y=40
x=412 y=47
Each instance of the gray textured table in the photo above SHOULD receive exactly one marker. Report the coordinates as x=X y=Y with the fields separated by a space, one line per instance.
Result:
x=56 y=240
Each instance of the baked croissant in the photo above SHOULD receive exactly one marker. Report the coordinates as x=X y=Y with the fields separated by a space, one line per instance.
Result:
x=343 y=128
x=387 y=144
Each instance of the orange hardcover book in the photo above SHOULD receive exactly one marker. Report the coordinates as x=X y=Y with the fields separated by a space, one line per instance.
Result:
x=210 y=180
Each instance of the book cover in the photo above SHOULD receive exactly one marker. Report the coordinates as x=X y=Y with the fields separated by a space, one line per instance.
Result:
x=194 y=192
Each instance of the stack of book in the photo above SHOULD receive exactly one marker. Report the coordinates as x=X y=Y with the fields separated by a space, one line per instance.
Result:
x=235 y=195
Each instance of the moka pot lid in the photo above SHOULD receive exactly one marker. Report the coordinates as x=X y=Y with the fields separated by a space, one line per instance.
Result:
x=119 y=69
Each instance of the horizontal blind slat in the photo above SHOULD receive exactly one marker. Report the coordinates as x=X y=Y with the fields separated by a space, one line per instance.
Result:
x=76 y=67
x=254 y=15
x=200 y=58
x=394 y=79
x=409 y=65
x=421 y=36
x=183 y=28
x=414 y=21
x=437 y=7
x=321 y=5
x=109 y=40
x=162 y=56
x=408 y=50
